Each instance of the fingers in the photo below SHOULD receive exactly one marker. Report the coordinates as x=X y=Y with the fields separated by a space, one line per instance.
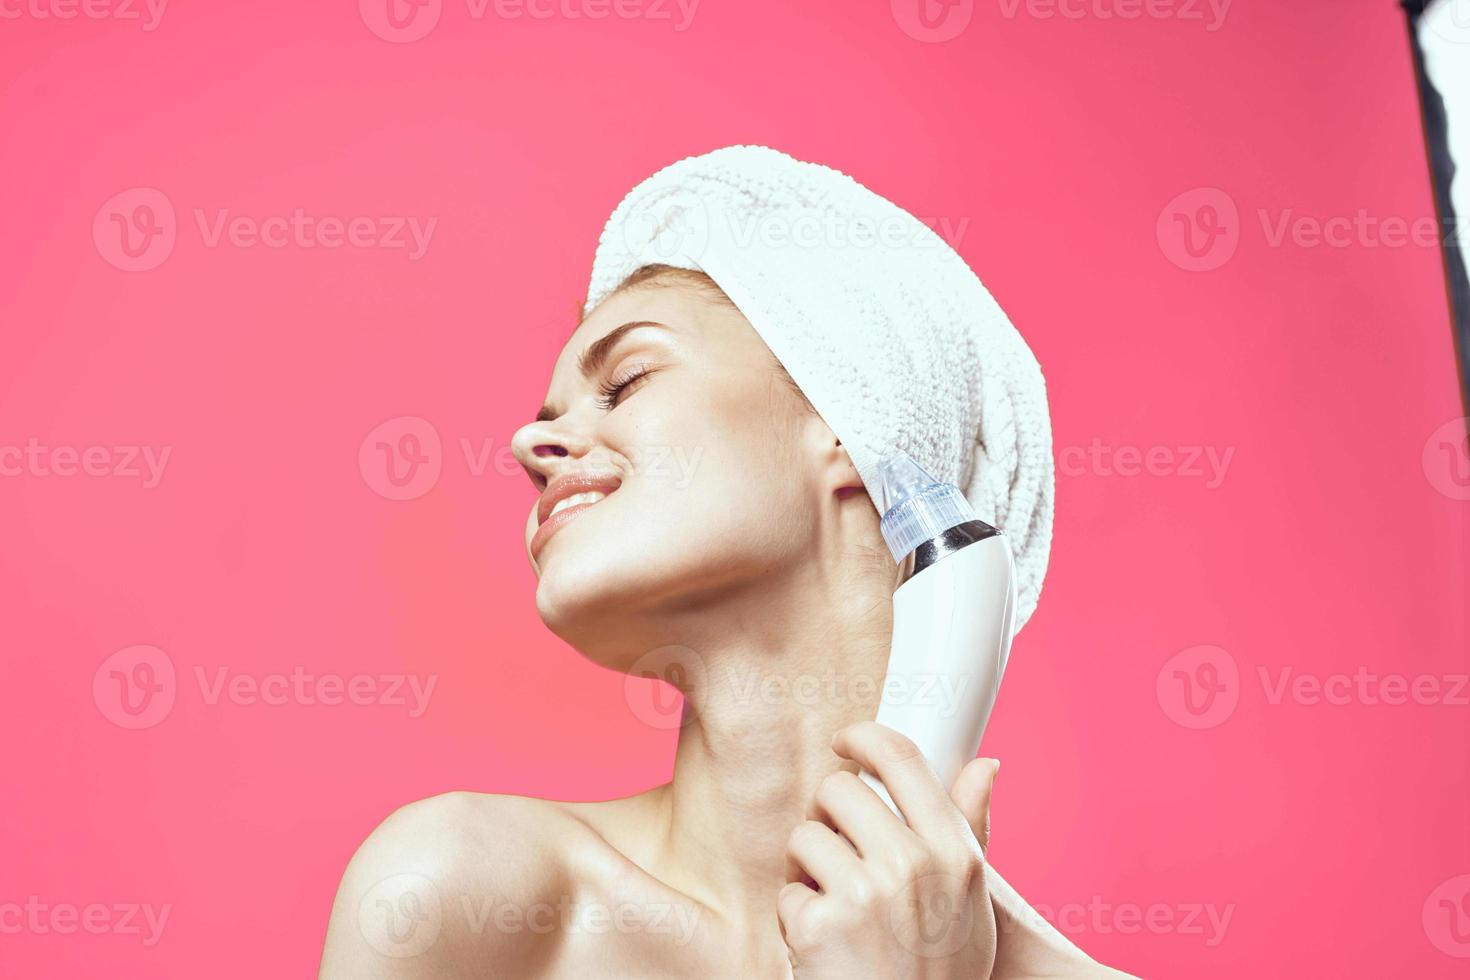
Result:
x=847 y=803
x=972 y=792
x=791 y=902
x=908 y=777
x=818 y=850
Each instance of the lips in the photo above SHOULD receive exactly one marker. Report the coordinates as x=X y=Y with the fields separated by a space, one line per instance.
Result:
x=566 y=497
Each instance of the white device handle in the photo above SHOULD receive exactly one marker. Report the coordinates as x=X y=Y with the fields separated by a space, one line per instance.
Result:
x=952 y=624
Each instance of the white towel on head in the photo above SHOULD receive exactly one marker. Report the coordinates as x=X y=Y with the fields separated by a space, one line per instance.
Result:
x=883 y=326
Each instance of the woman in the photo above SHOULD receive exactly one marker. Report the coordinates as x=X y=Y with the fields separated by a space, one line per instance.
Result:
x=773 y=326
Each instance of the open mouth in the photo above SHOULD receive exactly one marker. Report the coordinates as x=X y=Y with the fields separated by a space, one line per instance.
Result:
x=564 y=499
x=577 y=500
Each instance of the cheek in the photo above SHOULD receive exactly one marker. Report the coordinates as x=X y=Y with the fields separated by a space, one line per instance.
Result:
x=692 y=425
x=735 y=495
x=717 y=497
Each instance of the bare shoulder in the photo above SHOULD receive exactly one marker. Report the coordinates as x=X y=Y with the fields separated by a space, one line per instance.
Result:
x=421 y=895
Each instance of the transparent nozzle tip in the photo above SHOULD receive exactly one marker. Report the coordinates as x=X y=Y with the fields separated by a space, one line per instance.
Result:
x=916 y=506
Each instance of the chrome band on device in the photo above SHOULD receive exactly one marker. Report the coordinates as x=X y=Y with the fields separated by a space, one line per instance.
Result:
x=947 y=543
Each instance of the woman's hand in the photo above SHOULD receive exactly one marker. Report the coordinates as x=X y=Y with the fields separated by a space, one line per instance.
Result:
x=891 y=900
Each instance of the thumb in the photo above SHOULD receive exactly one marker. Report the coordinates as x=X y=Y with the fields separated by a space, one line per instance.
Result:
x=971 y=793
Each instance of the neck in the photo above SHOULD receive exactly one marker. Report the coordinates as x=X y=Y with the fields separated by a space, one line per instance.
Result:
x=780 y=673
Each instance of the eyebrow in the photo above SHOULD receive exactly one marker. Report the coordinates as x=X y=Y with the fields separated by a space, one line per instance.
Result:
x=595 y=357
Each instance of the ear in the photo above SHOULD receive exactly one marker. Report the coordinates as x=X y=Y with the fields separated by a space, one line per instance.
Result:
x=841 y=476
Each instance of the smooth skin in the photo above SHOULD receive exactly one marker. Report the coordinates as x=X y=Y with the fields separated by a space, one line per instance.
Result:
x=740 y=560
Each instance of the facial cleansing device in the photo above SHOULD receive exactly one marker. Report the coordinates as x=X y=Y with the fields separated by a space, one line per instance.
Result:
x=952 y=618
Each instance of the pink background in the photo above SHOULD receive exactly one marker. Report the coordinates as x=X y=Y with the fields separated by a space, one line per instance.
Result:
x=1332 y=835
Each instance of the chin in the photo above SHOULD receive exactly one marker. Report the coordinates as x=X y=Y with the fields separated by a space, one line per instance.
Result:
x=595 y=600
x=570 y=599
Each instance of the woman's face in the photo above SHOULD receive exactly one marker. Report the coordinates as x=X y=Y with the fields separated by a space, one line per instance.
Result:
x=703 y=472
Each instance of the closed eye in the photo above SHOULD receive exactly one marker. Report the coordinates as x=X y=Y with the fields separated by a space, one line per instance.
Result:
x=613 y=390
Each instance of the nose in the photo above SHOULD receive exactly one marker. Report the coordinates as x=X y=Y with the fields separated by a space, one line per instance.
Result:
x=544 y=448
